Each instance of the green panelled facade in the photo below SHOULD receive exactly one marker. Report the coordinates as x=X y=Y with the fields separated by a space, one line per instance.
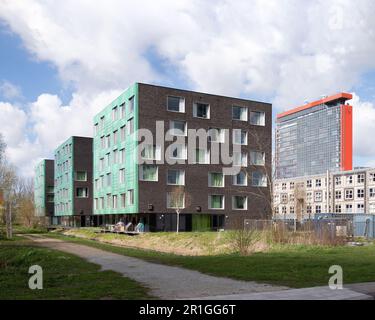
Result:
x=40 y=189
x=116 y=124
x=64 y=174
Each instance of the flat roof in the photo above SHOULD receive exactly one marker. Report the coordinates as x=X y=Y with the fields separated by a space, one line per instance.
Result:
x=340 y=96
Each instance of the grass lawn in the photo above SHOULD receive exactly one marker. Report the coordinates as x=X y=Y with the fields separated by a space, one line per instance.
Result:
x=65 y=276
x=294 y=266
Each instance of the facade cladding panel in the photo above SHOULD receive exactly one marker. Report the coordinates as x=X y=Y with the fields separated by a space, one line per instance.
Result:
x=44 y=188
x=149 y=104
x=315 y=138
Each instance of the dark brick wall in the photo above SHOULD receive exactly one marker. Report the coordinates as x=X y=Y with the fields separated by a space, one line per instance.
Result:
x=49 y=181
x=153 y=107
x=83 y=159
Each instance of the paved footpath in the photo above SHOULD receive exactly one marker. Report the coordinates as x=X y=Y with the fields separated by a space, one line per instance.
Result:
x=168 y=282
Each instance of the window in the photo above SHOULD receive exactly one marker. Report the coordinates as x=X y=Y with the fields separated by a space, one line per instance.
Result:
x=123 y=133
x=308 y=210
x=151 y=152
x=338 y=208
x=257 y=158
x=257 y=118
x=101 y=123
x=239 y=203
x=291 y=197
x=130 y=197
x=291 y=185
x=148 y=172
x=372 y=208
x=175 y=104
x=283 y=186
x=318 y=196
x=201 y=110
x=216 y=135
x=240 y=137
x=202 y=156
x=177 y=128
x=176 y=177
x=360 y=193
x=372 y=177
x=291 y=210
x=122 y=106
x=239 y=113
x=114 y=113
x=240 y=159
x=309 y=183
x=175 y=200
x=318 y=209
x=96 y=204
x=349 y=179
x=338 y=195
x=349 y=208
x=372 y=192
x=96 y=129
x=216 y=202
x=109 y=201
x=337 y=181
x=348 y=194
x=178 y=151
x=130 y=126
x=122 y=176
x=102 y=142
x=115 y=156
x=50 y=198
x=360 y=208
x=259 y=179
x=115 y=136
x=108 y=180
x=215 y=179
x=122 y=200
x=107 y=141
x=283 y=210
x=361 y=178
x=318 y=183
x=82 y=192
x=284 y=198
x=131 y=104
x=122 y=156
x=101 y=203
x=81 y=176
x=50 y=189
x=107 y=159
x=240 y=179
x=114 y=202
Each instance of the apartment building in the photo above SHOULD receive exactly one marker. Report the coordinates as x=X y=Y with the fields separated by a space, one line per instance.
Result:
x=44 y=189
x=314 y=138
x=140 y=184
x=339 y=192
x=73 y=182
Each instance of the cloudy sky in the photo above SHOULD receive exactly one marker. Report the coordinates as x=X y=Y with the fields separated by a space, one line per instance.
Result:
x=63 y=61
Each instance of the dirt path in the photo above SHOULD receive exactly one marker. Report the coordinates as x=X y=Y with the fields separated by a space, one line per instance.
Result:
x=165 y=282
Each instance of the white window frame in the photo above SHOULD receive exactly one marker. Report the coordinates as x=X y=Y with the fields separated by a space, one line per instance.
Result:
x=245 y=117
x=195 y=107
x=233 y=202
x=263 y=118
x=172 y=129
x=209 y=202
x=210 y=180
x=141 y=177
x=181 y=104
x=183 y=177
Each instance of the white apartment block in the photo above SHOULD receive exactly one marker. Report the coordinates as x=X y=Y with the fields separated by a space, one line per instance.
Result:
x=339 y=192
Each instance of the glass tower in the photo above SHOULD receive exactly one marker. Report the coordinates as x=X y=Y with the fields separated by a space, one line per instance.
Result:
x=314 y=138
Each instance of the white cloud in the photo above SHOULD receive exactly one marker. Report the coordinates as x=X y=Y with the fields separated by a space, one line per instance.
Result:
x=9 y=90
x=286 y=51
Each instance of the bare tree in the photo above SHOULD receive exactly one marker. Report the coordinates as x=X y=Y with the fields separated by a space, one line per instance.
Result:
x=8 y=180
x=25 y=202
x=179 y=200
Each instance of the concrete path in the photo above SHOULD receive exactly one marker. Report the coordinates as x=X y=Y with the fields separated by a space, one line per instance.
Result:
x=167 y=282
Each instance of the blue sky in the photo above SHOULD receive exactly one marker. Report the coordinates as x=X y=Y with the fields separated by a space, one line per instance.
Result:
x=61 y=62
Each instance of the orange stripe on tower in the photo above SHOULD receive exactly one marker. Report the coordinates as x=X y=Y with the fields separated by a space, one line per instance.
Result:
x=346 y=138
